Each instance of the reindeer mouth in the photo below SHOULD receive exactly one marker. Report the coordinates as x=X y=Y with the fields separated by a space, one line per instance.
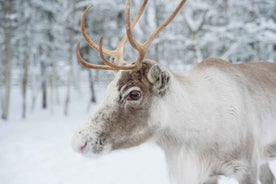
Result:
x=90 y=147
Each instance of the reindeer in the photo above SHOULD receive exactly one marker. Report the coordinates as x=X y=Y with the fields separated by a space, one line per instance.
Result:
x=217 y=119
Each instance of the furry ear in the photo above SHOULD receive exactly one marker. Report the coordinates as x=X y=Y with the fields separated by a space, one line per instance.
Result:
x=159 y=77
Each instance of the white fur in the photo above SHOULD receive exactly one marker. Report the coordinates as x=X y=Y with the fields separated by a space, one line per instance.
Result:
x=199 y=113
x=89 y=132
x=194 y=112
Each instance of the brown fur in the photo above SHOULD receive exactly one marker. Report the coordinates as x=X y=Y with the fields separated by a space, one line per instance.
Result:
x=130 y=120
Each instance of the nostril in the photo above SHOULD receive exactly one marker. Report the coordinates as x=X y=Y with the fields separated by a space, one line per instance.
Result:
x=82 y=148
x=79 y=143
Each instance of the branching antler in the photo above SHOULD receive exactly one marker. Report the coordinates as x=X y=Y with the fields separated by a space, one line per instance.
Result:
x=118 y=52
x=142 y=48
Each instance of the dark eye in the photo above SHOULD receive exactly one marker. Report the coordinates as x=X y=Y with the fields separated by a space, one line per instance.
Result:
x=134 y=95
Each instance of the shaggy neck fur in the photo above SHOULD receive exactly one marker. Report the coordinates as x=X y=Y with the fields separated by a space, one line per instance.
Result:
x=181 y=136
x=207 y=133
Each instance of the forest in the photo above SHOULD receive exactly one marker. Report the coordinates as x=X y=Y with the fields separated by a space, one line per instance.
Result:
x=45 y=94
x=38 y=41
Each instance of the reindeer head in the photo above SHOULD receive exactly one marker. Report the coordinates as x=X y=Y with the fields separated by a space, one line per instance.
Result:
x=128 y=115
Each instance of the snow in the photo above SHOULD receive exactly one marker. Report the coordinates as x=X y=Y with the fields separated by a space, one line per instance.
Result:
x=38 y=150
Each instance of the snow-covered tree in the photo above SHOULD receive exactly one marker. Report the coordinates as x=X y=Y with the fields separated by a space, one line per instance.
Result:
x=38 y=40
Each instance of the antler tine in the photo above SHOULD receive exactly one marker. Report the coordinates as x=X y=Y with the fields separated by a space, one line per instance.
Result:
x=135 y=44
x=114 y=66
x=89 y=65
x=124 y=39
x=121 y=44
x=88 y=39
x=142 y=48
x=164 y=25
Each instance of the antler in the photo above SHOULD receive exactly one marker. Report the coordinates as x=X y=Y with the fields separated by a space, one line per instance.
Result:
x=118 y=52
x=142 y=48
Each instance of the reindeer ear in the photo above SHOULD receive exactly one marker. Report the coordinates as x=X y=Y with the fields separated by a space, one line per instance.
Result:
x=159 y=77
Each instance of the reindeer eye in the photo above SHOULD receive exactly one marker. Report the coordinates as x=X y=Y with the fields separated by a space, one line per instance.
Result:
x=134 y=95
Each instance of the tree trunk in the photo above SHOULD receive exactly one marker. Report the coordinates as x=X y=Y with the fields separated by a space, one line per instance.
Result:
x=158 y=17
x=25 y=80
x=92 y=90
x=44 y=94
x=71 y=59
x=91 y=85
x=7 y=63
x=7 y=76
x=44 y=84
x=197 y=51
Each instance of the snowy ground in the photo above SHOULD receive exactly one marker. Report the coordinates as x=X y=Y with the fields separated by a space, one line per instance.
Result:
x=38 y=150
